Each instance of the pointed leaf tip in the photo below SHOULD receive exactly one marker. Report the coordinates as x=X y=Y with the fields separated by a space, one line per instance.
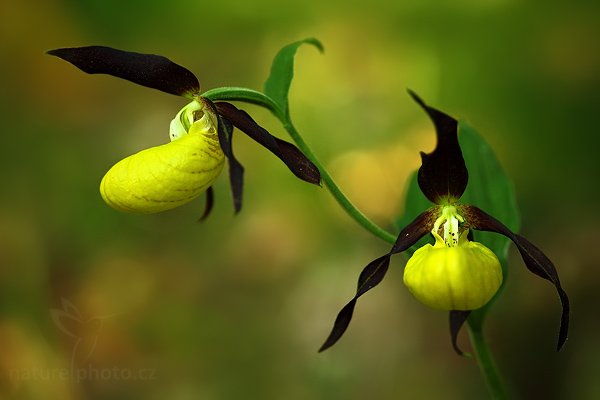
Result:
x=443 y=175
x=149 y=70
x=315 y=42
x=277 y=85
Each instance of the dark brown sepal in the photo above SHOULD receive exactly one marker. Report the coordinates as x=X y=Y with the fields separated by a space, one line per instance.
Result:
x=535 y=260
x=443 y=174
x=370 y=277
x=148 y=70
x=236 y=170
x=208 y=204
x=295 y=160
x=457 y=320
x=375 y=271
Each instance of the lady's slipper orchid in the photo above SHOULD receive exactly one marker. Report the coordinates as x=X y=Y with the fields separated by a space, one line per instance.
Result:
x=455 y=274
x=164 y=177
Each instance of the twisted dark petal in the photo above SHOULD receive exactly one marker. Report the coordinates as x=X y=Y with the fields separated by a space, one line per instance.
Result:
x=370 y=277
x=443 y=174
x=295 y=160
x=375 y=271
x=535 y=260
x=236 y=170
x=208 y=205
x=148 y=70
x=414 y=231
x=457 y=320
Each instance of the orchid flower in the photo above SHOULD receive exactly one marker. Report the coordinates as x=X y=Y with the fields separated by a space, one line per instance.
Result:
x=166 y=176
x=456 y=273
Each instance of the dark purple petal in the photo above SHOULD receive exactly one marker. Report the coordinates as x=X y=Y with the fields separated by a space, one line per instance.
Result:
x=457 y=320
x=443 y=174
x=370 y=277
x=236 y=170
x=295 y=160
x=208 y=205
x=414 y=231
x=375 y=271
x=535 y=260
x=148 y=70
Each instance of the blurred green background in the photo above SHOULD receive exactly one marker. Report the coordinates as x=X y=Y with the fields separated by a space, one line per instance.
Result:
x=236 y=307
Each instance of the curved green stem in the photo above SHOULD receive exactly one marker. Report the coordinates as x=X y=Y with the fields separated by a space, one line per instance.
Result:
x=232 y=93
x=486 y=363
x=261 y=99
x=336 y=192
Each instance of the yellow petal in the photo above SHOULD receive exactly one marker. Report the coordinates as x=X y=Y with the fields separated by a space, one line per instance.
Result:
x=463 y=277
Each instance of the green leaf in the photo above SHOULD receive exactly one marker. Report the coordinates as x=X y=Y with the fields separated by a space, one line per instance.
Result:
x=490 y=189
x=243 y=94
x=278 y=83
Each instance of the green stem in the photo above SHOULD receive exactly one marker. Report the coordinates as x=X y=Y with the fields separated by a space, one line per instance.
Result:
x=261 y=99
x=336 y=192
x=486 y=363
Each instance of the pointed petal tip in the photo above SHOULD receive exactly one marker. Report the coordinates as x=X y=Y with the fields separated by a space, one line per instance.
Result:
x=317 y=43
x=342 y=321
x=369 y=277
x=535 y=261
x=59 y=52
x=313 y=177
x=296 y=161
x=323 y=347
x=415 y=97
x=561 y=344
x=563 y=333
x=208 y=205
x=457 y=319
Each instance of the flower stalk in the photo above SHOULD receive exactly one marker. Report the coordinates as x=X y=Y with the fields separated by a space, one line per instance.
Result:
x=335 y=190
x=486 y=363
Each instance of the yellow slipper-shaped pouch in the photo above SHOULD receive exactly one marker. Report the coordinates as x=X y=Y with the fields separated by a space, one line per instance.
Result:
x=164 y=177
